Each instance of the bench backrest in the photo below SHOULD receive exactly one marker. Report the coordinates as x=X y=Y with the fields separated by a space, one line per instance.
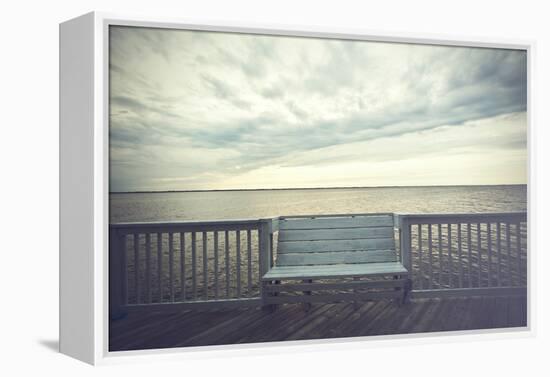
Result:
x=335 y=240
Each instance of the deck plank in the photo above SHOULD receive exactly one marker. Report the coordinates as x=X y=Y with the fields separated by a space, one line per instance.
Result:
x=305 y=331
x=369 y=325
x=142 y=330
x=279 y=325
x=516 y=312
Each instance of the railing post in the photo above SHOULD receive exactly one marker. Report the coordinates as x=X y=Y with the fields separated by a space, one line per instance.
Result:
x=274 y=228
x=405 y=248
x=117 y=275
x=405 y=243
x=264 y=234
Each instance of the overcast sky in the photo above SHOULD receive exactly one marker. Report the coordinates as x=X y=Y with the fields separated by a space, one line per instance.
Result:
x=203 y=110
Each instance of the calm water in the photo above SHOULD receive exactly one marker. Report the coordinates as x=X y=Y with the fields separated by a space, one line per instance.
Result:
x=254 y=204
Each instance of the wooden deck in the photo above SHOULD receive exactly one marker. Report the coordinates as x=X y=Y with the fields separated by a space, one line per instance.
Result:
x=148 y=329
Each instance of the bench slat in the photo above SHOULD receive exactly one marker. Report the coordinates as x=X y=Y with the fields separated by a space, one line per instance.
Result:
x=335 y=234
x=335 y=271
x=336 y=222
x=335 y=245
x=301 y=259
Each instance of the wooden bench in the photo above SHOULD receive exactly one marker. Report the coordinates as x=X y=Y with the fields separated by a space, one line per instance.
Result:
x=355 y=254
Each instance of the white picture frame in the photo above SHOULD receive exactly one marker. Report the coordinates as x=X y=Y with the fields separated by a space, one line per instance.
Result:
x=84 y=172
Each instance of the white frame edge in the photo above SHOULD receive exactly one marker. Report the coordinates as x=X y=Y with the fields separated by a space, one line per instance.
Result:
x=84 y=335
x=76 y=181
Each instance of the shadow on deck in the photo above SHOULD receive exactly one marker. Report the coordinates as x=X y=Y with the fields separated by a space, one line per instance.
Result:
x=147 y=330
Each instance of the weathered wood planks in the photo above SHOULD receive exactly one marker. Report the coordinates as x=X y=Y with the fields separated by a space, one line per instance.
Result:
x=147 y=329
x=328 y=271
x=335 y=234
x=337 y=245
x=335 y=222
x=303 y=259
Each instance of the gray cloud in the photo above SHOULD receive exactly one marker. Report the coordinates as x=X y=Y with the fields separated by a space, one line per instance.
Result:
x=181 y=99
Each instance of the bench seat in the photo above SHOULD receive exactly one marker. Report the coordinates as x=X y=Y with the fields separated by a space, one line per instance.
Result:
x=334 y=271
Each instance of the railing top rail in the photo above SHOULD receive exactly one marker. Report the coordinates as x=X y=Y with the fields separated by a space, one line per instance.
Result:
x=135 y=227
x=419 y=218
x=337 y=215
x=192 y=222
x=443 y=218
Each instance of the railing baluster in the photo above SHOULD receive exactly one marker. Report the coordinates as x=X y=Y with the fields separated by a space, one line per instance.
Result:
x=159 y=262
x=271 y=254
x=498 y=254
x=136 y=267
x=205 y=263
x=171 y=264
x=249 y=259
x=469 y=231
x=124 y=266
x=489 y=256
x=227 y=271
x=460 y=267
x=518 y=250
x=430 y=258
x=478 y=254
x=194 y=263
x=182 y=265
x=216 y=289
x=508 y=263
x=148 y=268
x=420 y=255
x=450 y=254
x=440 y=254
x=238 y=263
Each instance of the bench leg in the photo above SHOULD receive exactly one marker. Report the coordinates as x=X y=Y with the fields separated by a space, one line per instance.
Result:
x=399 y=301
x=274 y=306
x=355 y=302
x=407 y=292
x=307 y=305
x=268 y=308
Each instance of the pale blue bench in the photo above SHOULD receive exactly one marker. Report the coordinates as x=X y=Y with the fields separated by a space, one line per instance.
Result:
x=353 y=256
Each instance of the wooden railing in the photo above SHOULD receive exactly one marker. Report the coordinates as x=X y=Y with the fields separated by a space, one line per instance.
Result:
x=465 y=254
x=213 y=263
x=219 y=263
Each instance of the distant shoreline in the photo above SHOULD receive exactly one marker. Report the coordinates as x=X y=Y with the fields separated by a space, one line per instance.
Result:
x=305 y=188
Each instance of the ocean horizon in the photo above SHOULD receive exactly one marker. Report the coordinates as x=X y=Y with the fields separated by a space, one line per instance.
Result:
x=179 y=205
x=306 y=188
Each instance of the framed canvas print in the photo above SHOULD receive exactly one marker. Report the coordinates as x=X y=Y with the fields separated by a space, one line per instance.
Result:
x=225 y=185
